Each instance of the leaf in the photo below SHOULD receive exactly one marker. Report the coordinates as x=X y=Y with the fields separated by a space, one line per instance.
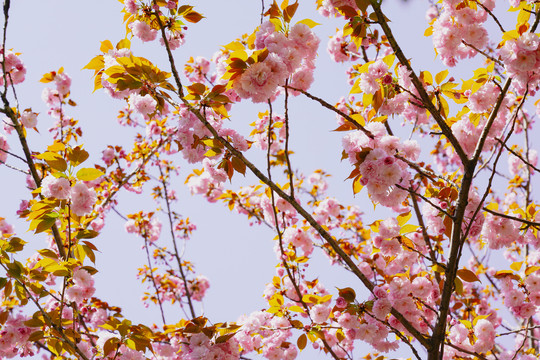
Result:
x=123 y=44
x=531 y=269
x=458 y=285
x=48 y=253
x=297 y=309
x=309 y=23
x=89 y=174
x=467 y=275
x=15 y=245
x=47 y=78
x=403 y=218
x=106 y=45
x=197 y=89
x=110 y=345
x=362 y=4
x=516 y=265
x=43 y=224
x=426 y=76
x=506 y=273
x=289 y=12
x=438 y=268
x=193 y=17
x=348 y=294
x=441 y=76
x=96 y=64
x=239 y=165
x=357 y=185
x=302 y=342
x=54 y=160
x=408 y=228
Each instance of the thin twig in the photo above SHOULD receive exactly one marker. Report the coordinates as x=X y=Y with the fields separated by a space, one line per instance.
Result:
x=173 y=239
x=334 y=109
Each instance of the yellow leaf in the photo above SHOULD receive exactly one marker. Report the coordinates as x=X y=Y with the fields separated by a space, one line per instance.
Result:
x=359 y=119
x=96 y=63
x=403 y=218
x=123 y=44
x=409 y=228
x=89 y=174
x=309 y=23
x=106 y=46
x=441 y=76
x=296 y=308
x=357 y=185
x=438 y=268
x=523 y=17
x=516 y=265
x=389 y=60
x=493 y=206
x=234 y=46
x=426 y=76
x=531 y=269
x=56 y=147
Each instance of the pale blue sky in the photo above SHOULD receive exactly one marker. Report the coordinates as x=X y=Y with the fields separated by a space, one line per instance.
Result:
x=237 y=259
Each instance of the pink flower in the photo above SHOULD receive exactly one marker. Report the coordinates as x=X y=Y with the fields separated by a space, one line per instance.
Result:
x=143 y=104
x=51 y=97
x=381 y=308
x=63 y=83
x=108 y=155
x=319 y=313
x=378 y=69
x=82 y=199
x=514 y=298
x=14 y=67
x=55 y=187
x=143 y=31
x=4 y=147
x=29 y=119
x=260 y=81
x=485 y=331
x=368 y=83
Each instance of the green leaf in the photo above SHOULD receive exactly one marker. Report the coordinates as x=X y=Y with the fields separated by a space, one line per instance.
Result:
x=89 y=174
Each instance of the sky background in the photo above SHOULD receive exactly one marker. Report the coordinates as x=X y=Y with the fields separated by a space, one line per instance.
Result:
x=238 y=259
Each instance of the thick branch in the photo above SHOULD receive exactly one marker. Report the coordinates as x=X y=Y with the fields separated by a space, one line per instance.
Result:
x=417 y=83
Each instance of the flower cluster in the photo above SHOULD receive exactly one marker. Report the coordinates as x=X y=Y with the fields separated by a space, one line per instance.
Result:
x=459 y=31
x=145 y=225
x=257 y=333
x=83 y=286
x=143 y=26
x=199 y=346
x=290 y=56
x=379 y=168
x=521 y=58
x=14 y=67
x=82 y=197
x=14 y=337
x=500 y=232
